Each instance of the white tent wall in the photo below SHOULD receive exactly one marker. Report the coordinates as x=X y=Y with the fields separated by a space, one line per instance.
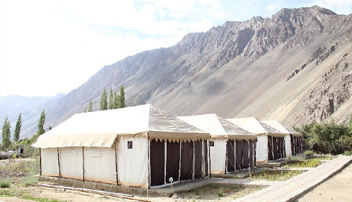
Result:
x=71 y=162
x=132 y=164
x=288 y=145
x=100 y=165
x=218 y=156
x=262 y=149
x=50 y=162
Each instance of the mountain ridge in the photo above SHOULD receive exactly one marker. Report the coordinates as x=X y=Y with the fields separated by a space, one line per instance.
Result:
x=270 y=68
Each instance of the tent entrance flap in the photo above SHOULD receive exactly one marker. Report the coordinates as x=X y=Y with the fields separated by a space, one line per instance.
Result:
x=186 y=160
x=245 y=154
x=157 y=162
x=239 y=150
x=198 y=159
x=172 y=161
x=230 y=156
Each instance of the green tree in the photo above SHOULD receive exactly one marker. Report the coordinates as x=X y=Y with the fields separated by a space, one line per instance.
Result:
x=111 y=100
x=90 y=108
x=104 y=101
x=116 y=101
x=122 y=97
x=6 y=133
x=41 y=129
x=16 y=136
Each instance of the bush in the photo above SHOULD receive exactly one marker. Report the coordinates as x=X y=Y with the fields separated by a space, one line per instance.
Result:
x=220 y=193
x=327 y=138
x=308 y=153
x=347 y=153
x=5 y=182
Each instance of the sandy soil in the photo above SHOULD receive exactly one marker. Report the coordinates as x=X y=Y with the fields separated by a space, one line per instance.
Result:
x=337 y=188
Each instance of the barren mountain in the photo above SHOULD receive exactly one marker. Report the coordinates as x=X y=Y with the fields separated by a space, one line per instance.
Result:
x=294 y=67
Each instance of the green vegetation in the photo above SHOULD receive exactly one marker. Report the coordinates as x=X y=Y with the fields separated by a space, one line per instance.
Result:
x=24 y=195
x=327 y=138
x=308 y=153
x=221 y=192
x=276 y=175
x=90 y=108
x=41 y=122
x=116 y=101
x=16 y=136
x=122 y=97
x=104 y=101
x=6 y=133
x=311 y=163
x=5 y=182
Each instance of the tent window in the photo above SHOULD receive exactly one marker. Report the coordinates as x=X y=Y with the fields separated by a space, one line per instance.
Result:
x=211 y=143
x=129 y=144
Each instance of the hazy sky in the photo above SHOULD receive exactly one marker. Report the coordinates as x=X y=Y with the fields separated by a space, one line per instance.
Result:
x=53 y=46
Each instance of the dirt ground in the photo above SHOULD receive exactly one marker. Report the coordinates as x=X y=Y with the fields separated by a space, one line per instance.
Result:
x=203 y=194
x=337 y=188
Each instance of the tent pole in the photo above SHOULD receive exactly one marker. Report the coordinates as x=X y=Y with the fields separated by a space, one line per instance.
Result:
x=58 y=160
x=165 y=157
x=40 y=161
x=194 y=159
x=209 y=159
x=83 y=161
x=180 y=164
x=117 y=179
x=234 y=154
x=226 y=156
x=149 y=176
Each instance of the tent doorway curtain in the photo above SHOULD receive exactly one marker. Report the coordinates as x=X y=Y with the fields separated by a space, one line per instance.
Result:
x=157 y=162
x=172 y=161
x=186 y=160
x=230 y=155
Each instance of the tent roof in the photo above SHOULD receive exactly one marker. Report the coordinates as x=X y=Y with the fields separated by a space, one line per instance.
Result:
x=283 y=128
x=101 y=128
x=217 y=126
x=255 y=126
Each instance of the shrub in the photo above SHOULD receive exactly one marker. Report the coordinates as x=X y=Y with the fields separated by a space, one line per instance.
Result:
x=5 y=182
x=308 y=153
x=327 y=138
x=221 y=192
x=347 y=153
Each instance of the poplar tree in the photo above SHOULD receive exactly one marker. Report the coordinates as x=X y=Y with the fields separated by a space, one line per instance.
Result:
x=122 y=97
x=6 y=133
x=16 y=136
x=111 y=100
x=90 y=108
x=41 y=129
x=116 y=100
x=104 y=101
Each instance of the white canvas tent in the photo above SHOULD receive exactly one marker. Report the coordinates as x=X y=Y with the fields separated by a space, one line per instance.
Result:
x=138 y=146
x=270 y=144
x=293 y=139
x=232 y=148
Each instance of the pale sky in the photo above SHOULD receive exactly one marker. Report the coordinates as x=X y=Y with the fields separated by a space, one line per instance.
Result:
x=54 y=46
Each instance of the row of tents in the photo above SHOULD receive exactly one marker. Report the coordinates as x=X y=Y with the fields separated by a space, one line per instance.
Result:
x=143 y=146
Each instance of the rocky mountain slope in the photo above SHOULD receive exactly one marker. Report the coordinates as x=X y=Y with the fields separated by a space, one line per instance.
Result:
x=294 y=67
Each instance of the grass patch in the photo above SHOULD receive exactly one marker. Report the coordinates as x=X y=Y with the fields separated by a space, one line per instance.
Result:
x=39 y=199
x=308 y=153
x=5 y=183
x=311 y=163
x=30 y=179
x=221 y=192
x=276 y=175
